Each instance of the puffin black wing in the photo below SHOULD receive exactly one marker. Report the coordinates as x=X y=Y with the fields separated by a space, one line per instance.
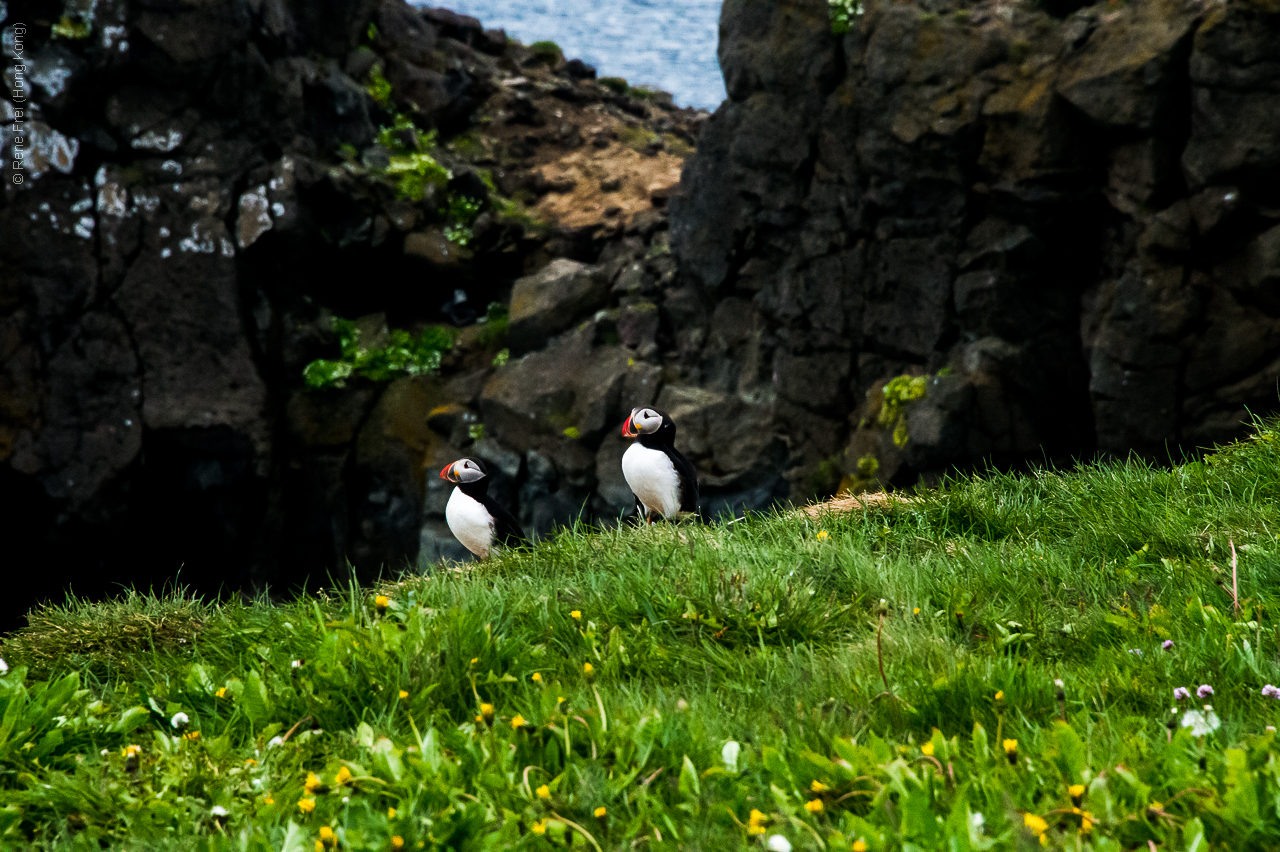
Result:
x=506 y=529
x=688 y=480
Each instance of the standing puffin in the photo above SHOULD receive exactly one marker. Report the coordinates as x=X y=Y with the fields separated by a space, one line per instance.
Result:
x=473 y=516
x=664 y=481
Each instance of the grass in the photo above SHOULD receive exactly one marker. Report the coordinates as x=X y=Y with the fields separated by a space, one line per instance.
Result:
x=875 y=680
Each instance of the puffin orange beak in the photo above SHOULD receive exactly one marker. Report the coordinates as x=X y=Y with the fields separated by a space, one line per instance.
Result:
x=626 y=429
x=447 y=473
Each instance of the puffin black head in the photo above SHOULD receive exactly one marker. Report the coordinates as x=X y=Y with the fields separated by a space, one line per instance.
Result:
x=649 y=425
x=469 y=474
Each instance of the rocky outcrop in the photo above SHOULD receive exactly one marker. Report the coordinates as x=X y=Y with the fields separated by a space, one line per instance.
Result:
x=1066 y=223
x=959 y=233
x=207 y=187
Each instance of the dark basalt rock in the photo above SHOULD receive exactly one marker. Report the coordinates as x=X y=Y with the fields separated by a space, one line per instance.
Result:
x=1070 y=221
x=201 y=200
x=1064 y=220
x=550 y=300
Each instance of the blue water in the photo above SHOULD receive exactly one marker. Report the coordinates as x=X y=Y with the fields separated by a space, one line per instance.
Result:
x=666 y=44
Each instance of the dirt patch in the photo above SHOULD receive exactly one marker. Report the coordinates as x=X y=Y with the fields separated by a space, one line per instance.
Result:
x=854 y=503
x=608 y=184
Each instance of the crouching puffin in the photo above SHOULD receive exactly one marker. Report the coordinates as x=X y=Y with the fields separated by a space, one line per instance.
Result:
x=664 y=481
x=473 y=516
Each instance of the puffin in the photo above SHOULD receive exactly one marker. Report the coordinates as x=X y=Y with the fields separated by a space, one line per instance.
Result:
x=473 y=516
x=664 y=481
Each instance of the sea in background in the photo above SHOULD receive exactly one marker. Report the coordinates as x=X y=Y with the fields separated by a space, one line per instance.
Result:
x=664 y=44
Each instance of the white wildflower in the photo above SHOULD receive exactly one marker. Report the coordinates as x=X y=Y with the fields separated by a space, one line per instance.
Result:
x=180 y=720
x=778 y=843
x=1201 y=722
x=729 y=754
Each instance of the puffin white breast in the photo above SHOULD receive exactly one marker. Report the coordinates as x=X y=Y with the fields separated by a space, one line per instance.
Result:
x=653 y=478
x=470 y=522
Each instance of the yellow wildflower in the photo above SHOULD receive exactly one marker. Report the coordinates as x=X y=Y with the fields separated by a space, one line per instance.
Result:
x=517 y=720
x=1086 y=822
x=813 y=806
x=537 y=677
x=343 y=776
x=756 y=822
x=860 y=845
x=131 y=750
x=587 y=668
x=1000 y=695
x=1035 y=824
x=1076 y=790
x=327 y=837
x=544 y=792
x=819 y=787
x=306 y=805
x=915 y=611
x=475 y=660
x=391 y=813
x=599 y=812
x=319 y=846
x=404 y=693
x=486 y=714
x=927 y=749
x=823 y=535
x=313 y=782
x=539 y=827
x=1010 y=746
x=381 y=602
x=193 y=735
x=576 y=614
x=267 y=800
x=250 y=762
x=397 y=842
x=221 y=693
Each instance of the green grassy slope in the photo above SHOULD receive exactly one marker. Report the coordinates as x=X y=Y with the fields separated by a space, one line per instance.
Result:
x=593 y=693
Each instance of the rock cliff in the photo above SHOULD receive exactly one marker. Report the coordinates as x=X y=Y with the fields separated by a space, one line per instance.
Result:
x=215 y=195
x=1064 y=220
x=274 y=263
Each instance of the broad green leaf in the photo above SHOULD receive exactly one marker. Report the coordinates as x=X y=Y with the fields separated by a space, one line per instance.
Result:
x=130 y=719
x=1241 y=795
x=1070 y=752
x=255 y=703
x=198 y=680
x=776 y=766
x=1193 y=836
x=689 y=785
x=386 y=760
